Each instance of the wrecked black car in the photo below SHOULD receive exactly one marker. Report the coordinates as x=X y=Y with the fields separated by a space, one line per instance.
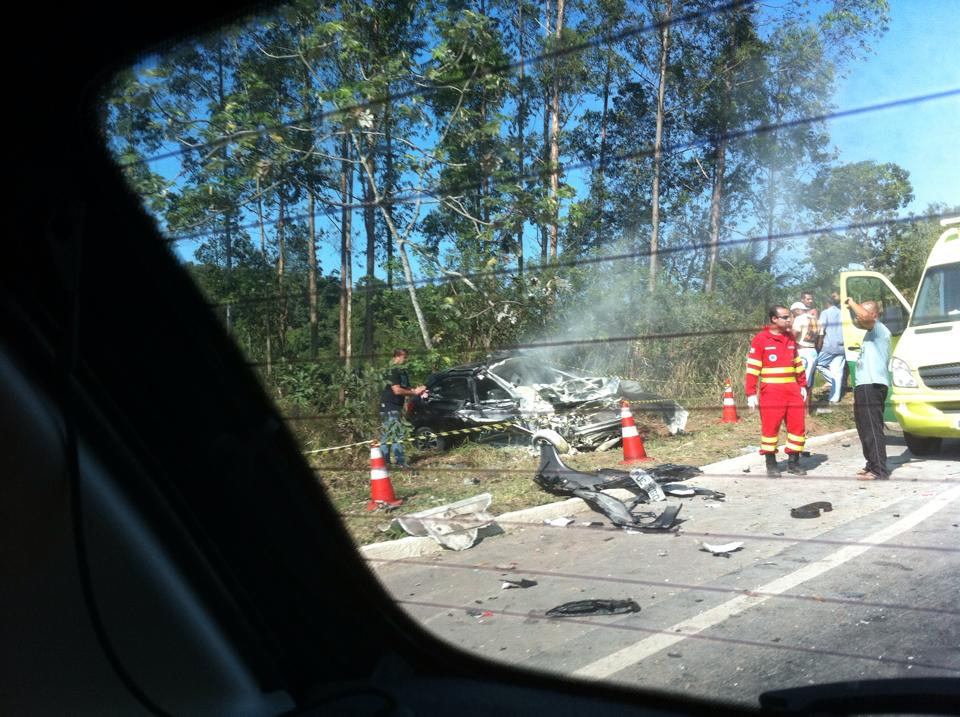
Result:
x=531 y=396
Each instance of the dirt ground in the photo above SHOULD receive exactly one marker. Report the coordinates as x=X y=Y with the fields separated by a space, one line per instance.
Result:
x=506 y=472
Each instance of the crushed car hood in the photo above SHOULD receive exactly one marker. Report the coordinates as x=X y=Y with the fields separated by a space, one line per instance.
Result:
x=543 y=390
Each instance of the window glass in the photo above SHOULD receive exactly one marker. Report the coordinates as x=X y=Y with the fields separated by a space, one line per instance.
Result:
x=893 y=314
x=453 y=389
x=591 y=189
x=939 y=297
x=489 y=390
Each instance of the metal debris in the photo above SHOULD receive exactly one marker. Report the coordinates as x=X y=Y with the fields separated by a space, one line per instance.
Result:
x=722 y=550
x=585 y=608
x=523 y=583
x=811 y=510
x=555 y=477
x=455 y=526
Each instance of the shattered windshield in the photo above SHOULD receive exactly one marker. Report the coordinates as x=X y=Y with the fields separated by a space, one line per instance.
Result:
x=527 y=372
x=938 y=299
x=451 y=235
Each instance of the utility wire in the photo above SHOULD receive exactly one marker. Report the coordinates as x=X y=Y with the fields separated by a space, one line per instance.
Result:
x=494 y=70
x=740 y=642
x=693 y=587
x=533 y=173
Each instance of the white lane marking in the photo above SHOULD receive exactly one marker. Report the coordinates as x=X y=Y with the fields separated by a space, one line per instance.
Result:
x=613 y=663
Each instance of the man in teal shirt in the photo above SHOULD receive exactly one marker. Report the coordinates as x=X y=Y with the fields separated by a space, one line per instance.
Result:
x=870 y=392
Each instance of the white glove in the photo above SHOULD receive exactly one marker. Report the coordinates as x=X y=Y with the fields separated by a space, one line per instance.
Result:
x=752 y=402
x=803 y=394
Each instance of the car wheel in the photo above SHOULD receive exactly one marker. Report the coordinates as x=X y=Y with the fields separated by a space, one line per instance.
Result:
x=921 y=445
x=426 y=440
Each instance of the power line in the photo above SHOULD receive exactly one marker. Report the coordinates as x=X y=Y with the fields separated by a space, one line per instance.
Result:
x=495 y=70
x=708 y=534
x=646 y=152
x=809 y=234
x=440 y=470
x=476 y=567
x=624 y=626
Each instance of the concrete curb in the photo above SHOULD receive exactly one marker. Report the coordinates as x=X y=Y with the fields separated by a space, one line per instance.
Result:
x=418 y=547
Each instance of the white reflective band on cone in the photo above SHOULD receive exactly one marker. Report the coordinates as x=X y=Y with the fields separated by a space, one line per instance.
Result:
x=378 y=473
x=630 y=431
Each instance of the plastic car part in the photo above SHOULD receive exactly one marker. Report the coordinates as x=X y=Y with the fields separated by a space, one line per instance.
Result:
x=811 y=510
x=585 y=608
x=556 y=477
x=550 y=436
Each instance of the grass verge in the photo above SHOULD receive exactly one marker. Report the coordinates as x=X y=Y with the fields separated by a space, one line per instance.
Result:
x=506 y=472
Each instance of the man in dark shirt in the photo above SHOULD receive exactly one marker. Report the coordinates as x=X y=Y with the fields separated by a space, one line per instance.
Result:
x=395 y=390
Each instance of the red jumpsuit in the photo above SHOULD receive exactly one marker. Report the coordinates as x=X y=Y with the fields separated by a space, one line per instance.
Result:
x=774 y=362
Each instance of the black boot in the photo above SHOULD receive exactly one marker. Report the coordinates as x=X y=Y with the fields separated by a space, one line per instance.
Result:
x=772 y=469
x=793 y=465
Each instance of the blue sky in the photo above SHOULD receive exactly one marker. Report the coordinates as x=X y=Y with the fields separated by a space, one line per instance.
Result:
x=919 y=55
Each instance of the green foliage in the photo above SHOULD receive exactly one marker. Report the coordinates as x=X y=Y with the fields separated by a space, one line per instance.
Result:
x=443 y=131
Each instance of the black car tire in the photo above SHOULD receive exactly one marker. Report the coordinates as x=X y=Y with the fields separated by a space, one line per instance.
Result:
x=921 y=445
x=426 y=440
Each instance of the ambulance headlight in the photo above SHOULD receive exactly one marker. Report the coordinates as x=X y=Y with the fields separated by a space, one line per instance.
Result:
x=902 y=375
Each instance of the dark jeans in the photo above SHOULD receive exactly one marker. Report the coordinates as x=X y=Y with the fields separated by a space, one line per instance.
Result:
x=868 y=401
x=392 y=435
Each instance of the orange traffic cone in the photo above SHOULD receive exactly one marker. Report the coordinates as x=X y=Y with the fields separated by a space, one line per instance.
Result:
x=632 y=443
x=381 y=489
x=729 y=405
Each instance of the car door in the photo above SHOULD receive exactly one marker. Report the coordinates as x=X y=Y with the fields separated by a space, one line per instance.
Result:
x=894 y=313
x=448 y=401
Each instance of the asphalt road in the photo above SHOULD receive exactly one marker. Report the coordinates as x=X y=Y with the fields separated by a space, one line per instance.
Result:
x=868 y=590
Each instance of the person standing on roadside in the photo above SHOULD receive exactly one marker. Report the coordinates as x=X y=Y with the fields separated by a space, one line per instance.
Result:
x=774 y=368
x=805 y=331
x=831 y=359
x=395 y=391
x=871 y=388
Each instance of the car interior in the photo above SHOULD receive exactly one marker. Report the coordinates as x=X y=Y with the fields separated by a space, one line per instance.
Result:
x=166 y=549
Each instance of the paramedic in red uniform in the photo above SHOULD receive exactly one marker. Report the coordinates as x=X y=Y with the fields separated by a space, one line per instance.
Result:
x=774 y=364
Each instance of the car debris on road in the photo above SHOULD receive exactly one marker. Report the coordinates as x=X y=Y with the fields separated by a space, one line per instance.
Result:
x=647 y=485
x=722 y=551
x=522 y=583
x=455 y=526
x=586 y=608
x=811 y=510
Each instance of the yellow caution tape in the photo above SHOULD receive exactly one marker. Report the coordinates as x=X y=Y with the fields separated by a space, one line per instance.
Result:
x=340 y=448
x=411 y=439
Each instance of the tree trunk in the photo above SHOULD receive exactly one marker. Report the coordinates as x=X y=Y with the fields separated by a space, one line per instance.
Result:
x=312 y=263
x=370 y=225
x=658 y=144
x=547 y=109
x=716 y=198
x=395 y=236
x=281 y=272
x=555 y=140
x=227 y=216
x=268 y=307
x=312 y=270
x=346 y=257
x=602 y=167
x=521 y=125
x=412 y=290
x=390 y=181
